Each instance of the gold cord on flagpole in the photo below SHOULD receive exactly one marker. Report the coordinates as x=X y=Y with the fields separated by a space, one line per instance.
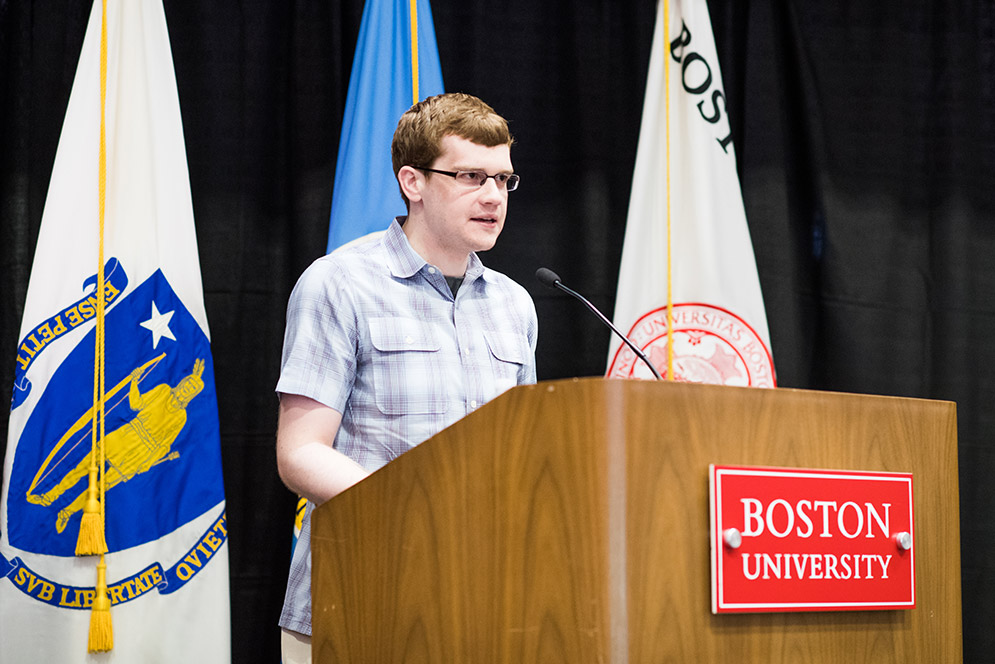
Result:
x=91 y=539
x=101 y=636
x=666 y=114
x=414 y=51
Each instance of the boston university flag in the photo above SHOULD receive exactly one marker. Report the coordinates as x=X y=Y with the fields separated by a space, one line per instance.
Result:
x=701 y=255
x=166 y=566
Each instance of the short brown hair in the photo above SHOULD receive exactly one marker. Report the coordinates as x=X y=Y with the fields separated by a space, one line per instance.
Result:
x=418 y=137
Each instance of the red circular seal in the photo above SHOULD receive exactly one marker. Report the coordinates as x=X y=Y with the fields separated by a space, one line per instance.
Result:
x=711 y=345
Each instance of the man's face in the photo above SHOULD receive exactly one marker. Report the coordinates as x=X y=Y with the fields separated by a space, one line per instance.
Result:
x=461 y=219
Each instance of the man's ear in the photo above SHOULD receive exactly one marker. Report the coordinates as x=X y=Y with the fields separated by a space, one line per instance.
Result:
x=411 y=182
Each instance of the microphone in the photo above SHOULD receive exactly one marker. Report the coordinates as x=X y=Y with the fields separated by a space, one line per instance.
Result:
x=550 y=279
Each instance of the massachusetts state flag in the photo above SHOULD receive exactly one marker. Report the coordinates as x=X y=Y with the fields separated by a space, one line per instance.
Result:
x=387 y=78
x=166 y=533
x=703 y=255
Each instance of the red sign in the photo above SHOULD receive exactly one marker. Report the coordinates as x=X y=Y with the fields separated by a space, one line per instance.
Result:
x=786 y=539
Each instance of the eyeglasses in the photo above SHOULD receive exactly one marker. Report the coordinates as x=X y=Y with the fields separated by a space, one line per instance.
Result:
x=471 y=179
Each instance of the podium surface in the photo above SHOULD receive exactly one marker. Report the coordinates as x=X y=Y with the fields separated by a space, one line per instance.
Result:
x=568 y=521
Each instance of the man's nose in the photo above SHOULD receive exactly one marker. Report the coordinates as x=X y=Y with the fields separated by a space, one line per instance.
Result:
x=490 y=190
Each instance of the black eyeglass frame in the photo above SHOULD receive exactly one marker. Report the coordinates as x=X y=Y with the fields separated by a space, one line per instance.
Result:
x=510 y=184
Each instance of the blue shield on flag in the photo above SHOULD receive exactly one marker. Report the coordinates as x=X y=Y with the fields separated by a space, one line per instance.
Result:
x=161 y=431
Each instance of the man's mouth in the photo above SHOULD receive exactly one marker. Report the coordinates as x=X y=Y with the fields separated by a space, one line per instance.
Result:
x=486 y=220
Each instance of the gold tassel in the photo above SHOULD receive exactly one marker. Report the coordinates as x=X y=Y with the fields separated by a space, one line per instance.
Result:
x=91 y=541
x=101 y=629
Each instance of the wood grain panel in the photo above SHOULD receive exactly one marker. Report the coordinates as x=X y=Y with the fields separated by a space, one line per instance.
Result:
x=483 y=545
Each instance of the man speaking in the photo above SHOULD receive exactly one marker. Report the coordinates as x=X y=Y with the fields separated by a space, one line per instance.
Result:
x=391 y=340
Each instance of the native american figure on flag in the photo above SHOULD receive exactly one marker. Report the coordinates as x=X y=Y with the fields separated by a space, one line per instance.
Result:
x=133 y=448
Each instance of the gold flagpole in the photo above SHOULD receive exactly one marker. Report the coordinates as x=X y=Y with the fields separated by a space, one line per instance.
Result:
x=414 y=51
x=666 y=114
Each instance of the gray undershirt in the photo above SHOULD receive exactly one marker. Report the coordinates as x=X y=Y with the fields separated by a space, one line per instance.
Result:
x=454 y=284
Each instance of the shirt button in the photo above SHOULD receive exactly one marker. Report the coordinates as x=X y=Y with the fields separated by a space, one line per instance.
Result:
x=431 y=270
x=473 y=404
x=409 y=340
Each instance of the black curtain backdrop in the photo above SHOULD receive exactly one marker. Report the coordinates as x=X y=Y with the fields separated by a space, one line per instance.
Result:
x=865 y=145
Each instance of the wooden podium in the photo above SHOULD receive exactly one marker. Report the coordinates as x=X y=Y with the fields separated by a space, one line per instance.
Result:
x=568 y=522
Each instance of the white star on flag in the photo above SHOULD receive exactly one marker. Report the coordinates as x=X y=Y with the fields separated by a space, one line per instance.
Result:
x=159 y=325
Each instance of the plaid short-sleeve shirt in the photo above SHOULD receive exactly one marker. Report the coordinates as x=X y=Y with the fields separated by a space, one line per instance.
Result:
x=375 y=332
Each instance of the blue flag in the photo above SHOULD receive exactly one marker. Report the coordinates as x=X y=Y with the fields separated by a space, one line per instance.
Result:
x=366 y=197
x=164 y=503
x=381 y=87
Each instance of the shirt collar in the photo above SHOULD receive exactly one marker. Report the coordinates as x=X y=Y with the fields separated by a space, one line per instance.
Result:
x=404 y=262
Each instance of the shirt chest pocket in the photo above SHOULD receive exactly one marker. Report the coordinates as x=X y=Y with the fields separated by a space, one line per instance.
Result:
x=508 y=355
x=406 y=361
